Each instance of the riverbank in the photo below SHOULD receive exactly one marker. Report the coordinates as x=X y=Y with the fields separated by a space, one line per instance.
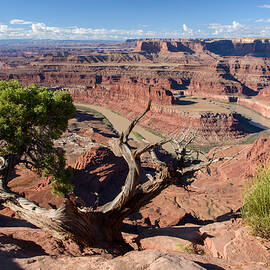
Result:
x=120 y=123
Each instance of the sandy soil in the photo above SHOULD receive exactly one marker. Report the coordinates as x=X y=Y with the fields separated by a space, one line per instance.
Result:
x=199 y=105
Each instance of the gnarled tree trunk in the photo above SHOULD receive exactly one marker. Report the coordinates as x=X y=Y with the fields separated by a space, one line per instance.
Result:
x=101 y=227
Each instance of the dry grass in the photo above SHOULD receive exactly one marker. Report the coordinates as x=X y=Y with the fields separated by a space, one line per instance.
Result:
x=256 y=209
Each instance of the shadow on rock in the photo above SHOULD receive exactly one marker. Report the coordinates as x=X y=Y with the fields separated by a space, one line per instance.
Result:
x=209 y=266
x=6 y=221
x=18 y=248
x=98 y=176
x=82 y=116
x=183 y=102
x=7 y=263
x=185 y=233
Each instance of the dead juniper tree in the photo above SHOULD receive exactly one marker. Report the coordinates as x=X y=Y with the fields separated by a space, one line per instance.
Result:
x=101 y=227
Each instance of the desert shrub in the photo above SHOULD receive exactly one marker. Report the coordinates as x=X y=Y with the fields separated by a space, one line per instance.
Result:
x=256 y=209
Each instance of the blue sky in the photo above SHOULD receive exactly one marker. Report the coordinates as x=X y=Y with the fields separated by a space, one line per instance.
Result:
x=121 y=19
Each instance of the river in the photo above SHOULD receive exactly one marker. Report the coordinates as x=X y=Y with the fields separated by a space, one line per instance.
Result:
x=121 y=123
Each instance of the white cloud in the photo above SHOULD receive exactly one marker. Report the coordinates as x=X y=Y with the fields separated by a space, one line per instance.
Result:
x=18 y=21
x=187 y=29
x=239 y=30
x=144 y=25
x=232 y=29
x=188 y=32
x=236 y=25
x=264 y=6
x=39 y=30
x=43 y=28
x=263 y=21
x=3 y=28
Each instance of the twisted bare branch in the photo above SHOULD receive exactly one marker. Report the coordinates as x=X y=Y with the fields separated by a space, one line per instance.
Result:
x=148 y=148
x=124 y=135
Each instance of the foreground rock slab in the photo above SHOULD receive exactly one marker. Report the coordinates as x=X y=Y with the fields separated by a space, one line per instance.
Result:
x=176 y=238
x=234 y=243
x=135 y=260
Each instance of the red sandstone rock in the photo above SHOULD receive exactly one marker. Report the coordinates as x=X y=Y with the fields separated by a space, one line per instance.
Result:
x=175 y=238
x=211 y=127
x=148 y=260
x=198 y=66
x=181 y=67
x=214 y=198
x=233 y=243
x=256 y=105
x=264 y=94
x=233 y=47
x=24 y=242
x=259 y=155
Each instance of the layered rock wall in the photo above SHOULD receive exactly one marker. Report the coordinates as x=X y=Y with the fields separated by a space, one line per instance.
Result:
x=256 y=105
x=222 y=47
x=120 y=90
x=210 y=127
x=124 y=79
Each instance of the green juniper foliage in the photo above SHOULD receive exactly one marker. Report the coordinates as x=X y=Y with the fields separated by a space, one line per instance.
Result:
x=256 y=209
x=30 y=119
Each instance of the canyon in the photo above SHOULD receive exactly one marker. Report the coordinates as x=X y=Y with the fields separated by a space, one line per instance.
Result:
x=202 y=85
x=124 y=76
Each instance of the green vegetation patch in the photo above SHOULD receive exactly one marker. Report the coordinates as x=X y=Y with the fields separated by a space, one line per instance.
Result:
x=156 y=133
x=138 y=135
x=115 y=112
x=31 y=118
x=97 y=115
x=256 y=209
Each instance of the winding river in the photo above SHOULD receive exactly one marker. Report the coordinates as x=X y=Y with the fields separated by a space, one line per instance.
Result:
x=120 y=123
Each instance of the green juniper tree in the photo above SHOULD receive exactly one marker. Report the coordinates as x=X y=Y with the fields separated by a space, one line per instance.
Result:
x=31 y=118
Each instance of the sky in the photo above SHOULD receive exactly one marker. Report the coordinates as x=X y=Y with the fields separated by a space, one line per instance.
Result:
x=127 y=19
